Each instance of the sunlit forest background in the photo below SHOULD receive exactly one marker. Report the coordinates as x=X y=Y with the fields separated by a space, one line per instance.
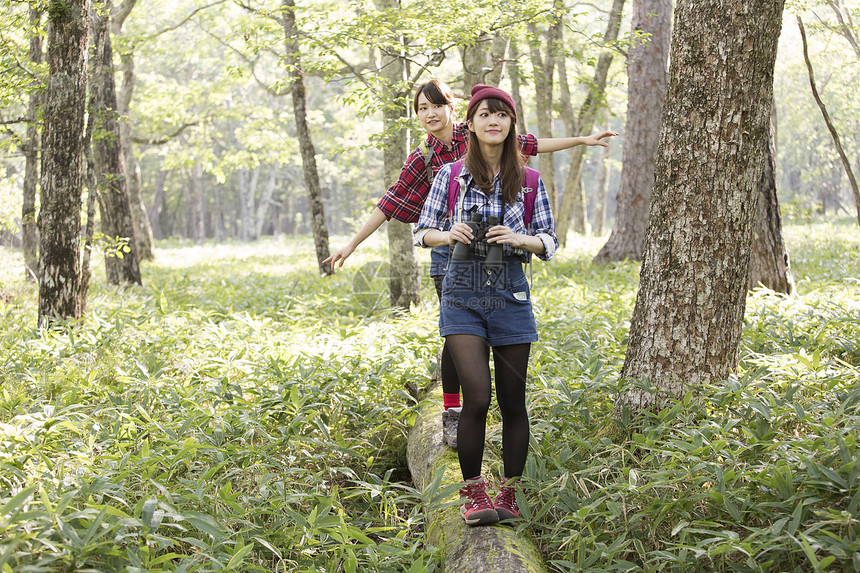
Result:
x=206 y=107
x=238 y=411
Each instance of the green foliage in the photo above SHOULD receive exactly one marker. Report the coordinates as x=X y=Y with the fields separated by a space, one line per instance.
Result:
x=57 y=10
x=241 y=413
x=760 y=473
x=211 y=421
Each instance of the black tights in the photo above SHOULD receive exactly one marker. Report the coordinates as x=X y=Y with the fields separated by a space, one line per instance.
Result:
x=450 y=380
x=471 y=355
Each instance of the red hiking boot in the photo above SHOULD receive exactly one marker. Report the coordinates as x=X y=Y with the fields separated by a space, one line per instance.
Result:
x=506 y=501
x=477 y=509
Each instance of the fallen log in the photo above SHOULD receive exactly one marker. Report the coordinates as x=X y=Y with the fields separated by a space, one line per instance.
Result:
x=465 y=549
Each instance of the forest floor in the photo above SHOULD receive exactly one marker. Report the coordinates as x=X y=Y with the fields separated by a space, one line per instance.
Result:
x=239 y=412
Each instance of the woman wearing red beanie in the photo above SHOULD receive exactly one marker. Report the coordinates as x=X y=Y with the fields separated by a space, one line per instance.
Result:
x=487 y=304
x=445 y=143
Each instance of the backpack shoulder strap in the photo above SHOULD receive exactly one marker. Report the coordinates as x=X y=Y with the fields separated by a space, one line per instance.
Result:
x=427 y=151
x=454 y=187
x=532 y=177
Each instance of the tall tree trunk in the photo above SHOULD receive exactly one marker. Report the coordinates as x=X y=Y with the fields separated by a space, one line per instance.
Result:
x=89 y=228
x=769 y=262
x=309 y=163
x=516 y=81
x=158 y=209
x=142 y=228
x=579 y=213
x=116 y=222
x=483 y=61
x=218 y=214
x=62 y=173
x=247 y=190
x=403 y=279
x=543 y=68
x=603 y=172
x=197 y=206
x=573 y=198
x=646 y=94
x=266 y=201
x=29 y=234
x=689 y=311
x=846 y=163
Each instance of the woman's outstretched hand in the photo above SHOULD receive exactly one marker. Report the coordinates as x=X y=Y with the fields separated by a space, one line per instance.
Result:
x=595 y=138
x=340 y=256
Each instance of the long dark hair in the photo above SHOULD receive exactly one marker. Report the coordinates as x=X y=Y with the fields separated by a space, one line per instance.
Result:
x=511 y=168
x=436 y=91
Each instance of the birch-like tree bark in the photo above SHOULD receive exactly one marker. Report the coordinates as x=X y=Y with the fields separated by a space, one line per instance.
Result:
x=266 y=201
x=122 y=266
x=687 y=322
x=62 y=169
x=293 y=61
x=646 y=94
x=158 y=209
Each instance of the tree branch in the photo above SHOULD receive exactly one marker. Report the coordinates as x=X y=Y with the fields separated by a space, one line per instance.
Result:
x=163 y=140
x=833 y=133
x=844 y=29
x=120 y=13
x=184 y=20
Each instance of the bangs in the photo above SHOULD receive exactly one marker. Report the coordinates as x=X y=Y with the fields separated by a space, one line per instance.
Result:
x=436 y=92
x=496 y=105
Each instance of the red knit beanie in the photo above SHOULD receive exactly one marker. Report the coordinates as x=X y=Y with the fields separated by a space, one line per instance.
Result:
x=481 y=91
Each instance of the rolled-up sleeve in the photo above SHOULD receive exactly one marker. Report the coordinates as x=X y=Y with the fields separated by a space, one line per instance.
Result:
x=528 y=144
x=434 y=214
x=404 y=199
x=543 y=223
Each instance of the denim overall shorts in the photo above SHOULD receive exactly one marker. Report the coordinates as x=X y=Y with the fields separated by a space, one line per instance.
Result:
x=490 y=301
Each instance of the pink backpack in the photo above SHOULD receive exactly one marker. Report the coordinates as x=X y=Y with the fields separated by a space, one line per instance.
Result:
x=530 y=186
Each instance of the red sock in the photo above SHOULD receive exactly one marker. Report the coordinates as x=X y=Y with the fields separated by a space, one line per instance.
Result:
x=450 y=400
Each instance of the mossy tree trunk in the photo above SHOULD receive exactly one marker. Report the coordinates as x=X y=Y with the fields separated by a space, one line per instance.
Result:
x=500 y=548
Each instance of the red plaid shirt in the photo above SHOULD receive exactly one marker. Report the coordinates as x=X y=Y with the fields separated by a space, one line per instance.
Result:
x=404 y=200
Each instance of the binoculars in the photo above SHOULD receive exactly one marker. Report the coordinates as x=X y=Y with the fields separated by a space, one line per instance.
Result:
x=479 y=232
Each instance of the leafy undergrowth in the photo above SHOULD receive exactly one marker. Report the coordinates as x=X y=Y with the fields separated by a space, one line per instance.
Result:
x=237 y=413
x=759 y=474
x=240 y=413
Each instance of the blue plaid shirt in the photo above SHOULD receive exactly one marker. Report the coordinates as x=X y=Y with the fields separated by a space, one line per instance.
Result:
x=434 y=214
